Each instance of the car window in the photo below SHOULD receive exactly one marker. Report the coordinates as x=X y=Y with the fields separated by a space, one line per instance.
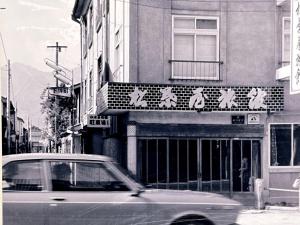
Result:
x=83 y=176
x=22 y=176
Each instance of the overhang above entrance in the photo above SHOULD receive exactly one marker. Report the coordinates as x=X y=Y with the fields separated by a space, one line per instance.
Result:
x=122 y=97
x=200 y=130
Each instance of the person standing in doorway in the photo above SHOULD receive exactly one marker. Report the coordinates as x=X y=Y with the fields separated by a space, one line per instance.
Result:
x=244 y=174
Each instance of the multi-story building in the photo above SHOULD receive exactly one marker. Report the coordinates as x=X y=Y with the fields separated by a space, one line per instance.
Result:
x=5 y=140
x=21 y=136
x=196 y=92
x=35 y=140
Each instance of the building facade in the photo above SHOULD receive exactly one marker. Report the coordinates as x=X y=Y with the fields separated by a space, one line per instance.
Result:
x=21 y=136
x=36 y=142
x=196 y=92
x=12 y=138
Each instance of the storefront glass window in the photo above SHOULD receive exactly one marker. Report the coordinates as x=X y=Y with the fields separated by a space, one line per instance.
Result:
x=296 y=145
x=281 y=145
x=285 y=144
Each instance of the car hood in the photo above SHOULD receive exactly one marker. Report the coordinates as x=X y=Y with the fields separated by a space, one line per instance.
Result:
x=189 y=197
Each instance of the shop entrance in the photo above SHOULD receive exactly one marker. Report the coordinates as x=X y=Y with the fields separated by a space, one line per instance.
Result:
x=246 y=163
x=213 y=165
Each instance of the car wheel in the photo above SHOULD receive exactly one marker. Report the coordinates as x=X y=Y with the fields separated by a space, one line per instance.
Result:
x=192 y=221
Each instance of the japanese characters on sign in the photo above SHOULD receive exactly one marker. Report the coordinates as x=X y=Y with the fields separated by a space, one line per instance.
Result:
x=295 y=47
x=168 y=99
x=60 y=91
x=163 y=97
x=98 y=121
x=197 y=100
x=227 y=99
x=137 y=98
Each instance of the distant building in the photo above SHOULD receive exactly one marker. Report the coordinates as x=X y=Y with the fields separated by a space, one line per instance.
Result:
x=21 y=136
x=35 y=140
x=71 y=141
x=4 y=127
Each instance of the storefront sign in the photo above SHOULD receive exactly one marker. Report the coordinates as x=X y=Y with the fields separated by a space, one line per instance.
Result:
x=98 y=121
x=60 y=91
x=295 y=47
x=253 y=118
x=237 y=119
x=120 y=97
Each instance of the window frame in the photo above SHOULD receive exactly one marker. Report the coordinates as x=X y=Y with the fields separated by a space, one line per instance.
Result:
x=104 y=164
x=44 y=179
x=194 y=32
x=283 y=33
x=90 y=26
x=291 y=150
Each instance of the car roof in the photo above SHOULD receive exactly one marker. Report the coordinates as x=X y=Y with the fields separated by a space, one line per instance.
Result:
x=54 y=156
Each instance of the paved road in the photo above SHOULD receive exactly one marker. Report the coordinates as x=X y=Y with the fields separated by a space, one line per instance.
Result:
x=269 y=217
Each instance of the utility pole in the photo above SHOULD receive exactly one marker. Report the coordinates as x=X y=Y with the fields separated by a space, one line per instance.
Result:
x=57 y=50
x=8 y=109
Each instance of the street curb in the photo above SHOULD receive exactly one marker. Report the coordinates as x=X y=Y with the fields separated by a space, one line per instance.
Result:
x=284 y=208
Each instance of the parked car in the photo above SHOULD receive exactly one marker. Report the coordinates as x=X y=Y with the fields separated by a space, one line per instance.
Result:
x=55 y=189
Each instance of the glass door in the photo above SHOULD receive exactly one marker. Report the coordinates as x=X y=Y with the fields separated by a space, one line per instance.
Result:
x=215 y=169
x=246 y=163
x=169 y=163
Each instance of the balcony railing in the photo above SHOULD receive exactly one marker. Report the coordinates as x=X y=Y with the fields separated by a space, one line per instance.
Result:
x=201 y=70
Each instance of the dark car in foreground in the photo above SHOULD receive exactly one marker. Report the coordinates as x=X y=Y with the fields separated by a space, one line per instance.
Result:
x=78 y=189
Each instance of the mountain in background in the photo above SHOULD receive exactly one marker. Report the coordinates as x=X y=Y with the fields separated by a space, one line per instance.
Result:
x=28 y=84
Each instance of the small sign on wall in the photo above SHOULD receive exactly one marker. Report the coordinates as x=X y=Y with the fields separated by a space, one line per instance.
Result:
x=238 y=119
x=253 y=118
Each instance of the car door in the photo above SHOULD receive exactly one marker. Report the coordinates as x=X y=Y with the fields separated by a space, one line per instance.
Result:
x=93 y=194
x=24 y=193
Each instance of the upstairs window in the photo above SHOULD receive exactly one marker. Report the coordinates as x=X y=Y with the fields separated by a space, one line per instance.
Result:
x=99 y=14
x=84 y=36
x=91 y=26
x=286 y=38
x=195 y=47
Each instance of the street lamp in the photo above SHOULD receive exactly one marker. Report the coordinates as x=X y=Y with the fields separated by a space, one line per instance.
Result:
x=62 y=78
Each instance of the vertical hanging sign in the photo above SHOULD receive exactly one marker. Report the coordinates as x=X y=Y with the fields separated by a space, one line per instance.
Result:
x=295 y=47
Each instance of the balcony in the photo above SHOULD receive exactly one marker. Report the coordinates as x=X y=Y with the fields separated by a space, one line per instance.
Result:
x=196 y=70
x=284 y=71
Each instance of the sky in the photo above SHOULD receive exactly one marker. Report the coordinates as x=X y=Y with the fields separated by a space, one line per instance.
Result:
x=28 y=26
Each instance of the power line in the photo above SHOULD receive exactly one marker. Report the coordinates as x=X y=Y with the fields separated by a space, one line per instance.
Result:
x=3 y=47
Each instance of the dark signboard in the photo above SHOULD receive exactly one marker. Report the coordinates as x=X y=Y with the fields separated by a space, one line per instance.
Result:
x=238 y=119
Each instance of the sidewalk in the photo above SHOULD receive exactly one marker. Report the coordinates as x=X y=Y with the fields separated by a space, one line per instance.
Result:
x=272 y=215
